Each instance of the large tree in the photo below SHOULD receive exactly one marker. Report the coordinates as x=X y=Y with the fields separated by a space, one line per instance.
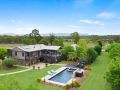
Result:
x=36 y=35
x=51 y=38
x=75 y=36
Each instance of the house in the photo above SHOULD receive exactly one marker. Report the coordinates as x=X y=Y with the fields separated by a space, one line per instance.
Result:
x=31 y=54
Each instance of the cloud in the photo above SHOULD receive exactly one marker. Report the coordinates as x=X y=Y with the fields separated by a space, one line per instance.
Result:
x=73 y=26
x=106 y=15
x=91 y=22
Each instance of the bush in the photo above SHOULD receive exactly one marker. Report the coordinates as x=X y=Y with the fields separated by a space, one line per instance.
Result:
x=75 y=84
x=115 y=51
x=112 y=46
x=98 y=49
x=113 y=76
x=9 y=62
x=91 y=55
x=3 y=53
x=88 y=67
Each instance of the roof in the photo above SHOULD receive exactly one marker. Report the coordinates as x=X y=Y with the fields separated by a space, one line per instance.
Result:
x=37 y=47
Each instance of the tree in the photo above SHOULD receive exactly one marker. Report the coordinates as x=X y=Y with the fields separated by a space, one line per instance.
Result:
x=58 y=42
x=91 y=55
x=100 y=43
x=75 y=36
x=66 y=49
x=81 y=52
x=3 y=53
x=115 y=51
x=83 y=43
x=51 y=38
x=35 y=34
x=98 y=49
x=9 y=62
x=44 y=41
x=111 y=46
x=113 y=75
x=72 y=56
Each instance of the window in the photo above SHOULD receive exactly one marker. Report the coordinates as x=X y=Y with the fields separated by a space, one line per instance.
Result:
x=27 y=54
x=15 y=53
x=23 y=54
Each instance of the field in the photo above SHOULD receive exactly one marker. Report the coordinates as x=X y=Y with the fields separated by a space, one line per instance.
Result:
x=9 y=45
x=96 y=80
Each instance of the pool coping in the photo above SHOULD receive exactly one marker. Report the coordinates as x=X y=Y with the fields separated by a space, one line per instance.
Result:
x=47 y=77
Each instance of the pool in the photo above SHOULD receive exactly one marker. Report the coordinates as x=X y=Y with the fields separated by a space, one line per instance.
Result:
x=64 y=76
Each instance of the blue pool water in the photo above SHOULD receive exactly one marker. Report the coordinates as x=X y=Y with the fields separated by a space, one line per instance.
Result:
x=63 y=77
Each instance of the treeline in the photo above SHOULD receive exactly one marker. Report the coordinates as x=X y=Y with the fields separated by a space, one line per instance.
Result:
x=35 y=38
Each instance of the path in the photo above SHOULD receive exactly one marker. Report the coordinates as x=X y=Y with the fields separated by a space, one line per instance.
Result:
x=15 y=72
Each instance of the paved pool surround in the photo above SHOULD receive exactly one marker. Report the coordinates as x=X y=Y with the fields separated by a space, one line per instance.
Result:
x=48 y=78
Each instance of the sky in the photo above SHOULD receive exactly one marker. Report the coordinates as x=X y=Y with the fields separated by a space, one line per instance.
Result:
x=101 y=17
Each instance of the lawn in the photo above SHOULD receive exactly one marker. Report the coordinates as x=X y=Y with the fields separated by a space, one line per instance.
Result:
x=96 y=80
x=6 y=70
x=25 y=79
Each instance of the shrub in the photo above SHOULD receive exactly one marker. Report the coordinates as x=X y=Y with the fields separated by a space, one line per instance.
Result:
x=111 y=46
x=115 y=51
x=9 y=62
x=91 y=55
x=3 y=53
x=113 y=75
x=75 y=84
x=88 y=67
x=100 y=43
x=98 y=49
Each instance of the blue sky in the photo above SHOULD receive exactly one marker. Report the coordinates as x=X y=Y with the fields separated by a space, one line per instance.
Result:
x=60 y=16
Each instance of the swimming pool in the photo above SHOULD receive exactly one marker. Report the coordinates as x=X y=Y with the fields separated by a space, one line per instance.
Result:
x=64 y=76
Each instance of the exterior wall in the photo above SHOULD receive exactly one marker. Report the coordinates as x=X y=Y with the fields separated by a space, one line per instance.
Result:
x=19 y=55
x=33 y=57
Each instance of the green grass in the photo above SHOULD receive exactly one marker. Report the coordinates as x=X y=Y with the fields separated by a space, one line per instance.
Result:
x=30 y=77
x=6 y=70
x=96 y=80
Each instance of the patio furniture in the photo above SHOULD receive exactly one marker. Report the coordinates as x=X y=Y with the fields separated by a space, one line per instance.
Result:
x=53 y=71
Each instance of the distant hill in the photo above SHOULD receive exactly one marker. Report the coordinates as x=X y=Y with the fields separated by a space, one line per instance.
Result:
x=44 y=34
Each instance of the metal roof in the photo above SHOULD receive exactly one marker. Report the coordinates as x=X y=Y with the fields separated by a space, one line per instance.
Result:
x=37 y=47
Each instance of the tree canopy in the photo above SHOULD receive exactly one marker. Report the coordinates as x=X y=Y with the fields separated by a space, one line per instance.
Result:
x=75 y=36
